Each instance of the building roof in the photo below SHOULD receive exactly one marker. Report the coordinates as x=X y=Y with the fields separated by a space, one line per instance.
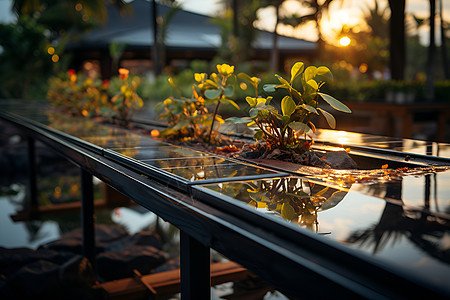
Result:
x=186 y=30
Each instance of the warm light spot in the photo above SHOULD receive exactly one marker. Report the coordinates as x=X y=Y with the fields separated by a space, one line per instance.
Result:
x=123 y=73
x=154 y=133
x=243 y=86
x=57 y=192
x=344 y=41
x=55 y=58
x=85 y=17
x=385 y=166
x=51 y=50
x=84 y=112
x=363 y=68
x=78 y=7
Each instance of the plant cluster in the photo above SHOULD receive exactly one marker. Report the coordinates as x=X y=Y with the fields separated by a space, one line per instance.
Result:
x=91 y=97
x=190 y=118
x=286 y=130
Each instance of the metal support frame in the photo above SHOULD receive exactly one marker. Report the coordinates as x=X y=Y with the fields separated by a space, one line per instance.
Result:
x=243 y=236
x=87 y=216
x=32 y=176
x=195 y=268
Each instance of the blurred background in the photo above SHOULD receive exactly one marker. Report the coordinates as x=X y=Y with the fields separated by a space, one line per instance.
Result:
x=389 y=58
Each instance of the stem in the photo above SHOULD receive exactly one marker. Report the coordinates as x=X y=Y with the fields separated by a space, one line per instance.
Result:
x=214 y=118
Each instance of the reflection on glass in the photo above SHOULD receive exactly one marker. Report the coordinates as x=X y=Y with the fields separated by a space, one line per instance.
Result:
x=200 y=161
x=294 y=199
x=219 y=170
x=426 y=190
x=158 y=152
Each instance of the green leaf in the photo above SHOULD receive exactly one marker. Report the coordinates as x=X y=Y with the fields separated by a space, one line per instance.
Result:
x=310 y=108
x=288 y=212
x=310 y=73
x=258 y=135
x=211 y=83
x=236 y=120
x=312 y=83
x=253 y=112
x=212 y=94
x=330 y=119
x=296 y=94
x=270 y=88
x=299 y=126
x=324 y=71
x=334 y=200
x=229 y=101
x=285 y=119
x=287 y=106
x=336 y=104
x=251 y=101
x=296 y=70
x=253 y=80
x=228 y=91
x=283 y=81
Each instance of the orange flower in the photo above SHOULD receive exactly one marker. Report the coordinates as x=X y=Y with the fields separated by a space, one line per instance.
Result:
x=72 y=75
x=123 y=73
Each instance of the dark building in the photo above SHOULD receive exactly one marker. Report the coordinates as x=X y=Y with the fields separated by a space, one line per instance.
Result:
x=190 y=36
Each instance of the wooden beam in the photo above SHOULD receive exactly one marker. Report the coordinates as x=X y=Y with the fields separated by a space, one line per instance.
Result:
x=166 y=283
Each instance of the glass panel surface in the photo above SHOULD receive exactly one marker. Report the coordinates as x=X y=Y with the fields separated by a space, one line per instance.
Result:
x=158 y=152
x=345 y=138
x=224 y=170
x=200 y=161
x=415 y=239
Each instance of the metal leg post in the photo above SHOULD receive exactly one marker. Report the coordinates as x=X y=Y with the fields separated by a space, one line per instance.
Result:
x=195 y=269
x=32 y=205
x=87 y=216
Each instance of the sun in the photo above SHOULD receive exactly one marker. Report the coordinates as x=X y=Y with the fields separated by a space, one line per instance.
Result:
x=344 y=41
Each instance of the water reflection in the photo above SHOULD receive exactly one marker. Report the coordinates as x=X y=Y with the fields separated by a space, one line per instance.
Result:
x=428 y=232
x=345 y=138
x=294 y=199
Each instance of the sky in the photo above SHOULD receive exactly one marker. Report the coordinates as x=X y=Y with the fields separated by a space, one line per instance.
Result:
x=348 y=11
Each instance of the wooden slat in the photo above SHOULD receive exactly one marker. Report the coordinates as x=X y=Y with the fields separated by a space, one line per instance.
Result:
x=166 y=282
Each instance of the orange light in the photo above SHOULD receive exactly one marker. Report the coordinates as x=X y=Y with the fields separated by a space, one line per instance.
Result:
x=55 y=58
x=51 y=50
x=154 y=133
x=344 y=41
x=363 y=68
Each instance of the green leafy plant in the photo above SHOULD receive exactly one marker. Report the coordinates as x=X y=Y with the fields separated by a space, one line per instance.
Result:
x=91 y=97
x=189 y=118
x=286 y=129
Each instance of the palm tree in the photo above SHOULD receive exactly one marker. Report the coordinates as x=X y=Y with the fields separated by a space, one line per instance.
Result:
x=378 y=21
x=397 y=45
x=431 y=63
x=443 y=46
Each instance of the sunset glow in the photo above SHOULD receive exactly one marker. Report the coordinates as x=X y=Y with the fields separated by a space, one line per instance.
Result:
x=344 y=41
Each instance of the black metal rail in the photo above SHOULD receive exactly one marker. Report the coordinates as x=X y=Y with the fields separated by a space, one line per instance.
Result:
x=298 y=262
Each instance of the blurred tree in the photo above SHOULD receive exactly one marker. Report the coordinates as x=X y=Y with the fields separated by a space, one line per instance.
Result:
x=378 y=20
x=431 y=62
x=444 y=27
x=275 y=53
x=238 y=31
x=397 y=45
x=65 y=19
x=24 y=58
